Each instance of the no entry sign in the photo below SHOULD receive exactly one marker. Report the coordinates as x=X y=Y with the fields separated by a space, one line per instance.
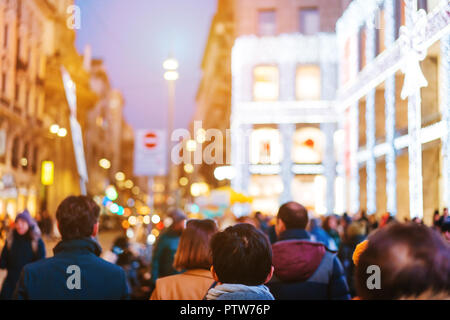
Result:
x=150 y=153
x=151 y=140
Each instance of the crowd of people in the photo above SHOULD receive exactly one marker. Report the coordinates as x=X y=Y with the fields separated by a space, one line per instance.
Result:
x=292 y=256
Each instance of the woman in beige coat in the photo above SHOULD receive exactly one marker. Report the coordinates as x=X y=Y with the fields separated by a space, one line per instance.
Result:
x=194 y=256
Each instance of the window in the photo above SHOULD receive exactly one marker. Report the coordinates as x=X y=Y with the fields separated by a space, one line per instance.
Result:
x=266 y=83
x=27 y=102
x=265 y=146
x=15 y=153
x=34 y=163
x=309 y=21
x=380 y=31
x=4 y=83
x=400 y=16
x=422 y=4
x=17 y=93
x=19 y=47
x=267 y=23
x=362 y=48
x=308 y=146
x=24 y=161
x=5 y=36
x=307 y=86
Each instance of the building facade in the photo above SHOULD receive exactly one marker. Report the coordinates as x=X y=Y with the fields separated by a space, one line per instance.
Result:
x=37 y=42
x=284 y=79
x=394 y=106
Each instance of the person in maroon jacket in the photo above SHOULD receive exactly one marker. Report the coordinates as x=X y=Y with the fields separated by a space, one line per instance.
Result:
x=304 y=269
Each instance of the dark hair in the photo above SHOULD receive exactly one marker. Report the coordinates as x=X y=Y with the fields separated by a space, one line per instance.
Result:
x=293 y=215
x=76 y=216
x=241 y=254
x=412 y=259
x=193 y=250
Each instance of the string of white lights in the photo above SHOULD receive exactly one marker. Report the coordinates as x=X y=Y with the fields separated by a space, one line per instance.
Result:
x=370 y=123
x=414 y=126
x=389 y=97
x=445 y=98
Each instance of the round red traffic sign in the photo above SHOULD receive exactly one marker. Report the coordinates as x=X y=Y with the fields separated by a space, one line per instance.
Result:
x=151 y=140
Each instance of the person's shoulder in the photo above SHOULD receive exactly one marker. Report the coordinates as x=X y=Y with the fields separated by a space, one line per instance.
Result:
x=39 y=265
x=109 y=266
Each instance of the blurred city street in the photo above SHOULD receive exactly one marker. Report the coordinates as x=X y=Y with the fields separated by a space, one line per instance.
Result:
x=141 y=115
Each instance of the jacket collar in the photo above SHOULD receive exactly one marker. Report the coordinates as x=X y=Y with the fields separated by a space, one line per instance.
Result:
x=294 y=234
x=199 y=273
x=84 y=244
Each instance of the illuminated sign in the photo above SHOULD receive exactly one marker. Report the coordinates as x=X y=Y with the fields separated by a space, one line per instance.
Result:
x=47 y=173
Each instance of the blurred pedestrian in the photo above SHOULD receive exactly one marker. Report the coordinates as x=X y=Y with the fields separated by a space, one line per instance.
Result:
x=386 y=219
x=166 y=247
x=445 y=230
x=436 y=217
x=76 y=271
x=373 y=223
x=304 y=270
x=444 y=217
x=193 y=256
x=242 y=264
x=320 y=235
x=46 y=224
x=23 y=245
x=262 y=220
x=355 y=234
x=412 y=260
x=246 y=219
x=330 y=225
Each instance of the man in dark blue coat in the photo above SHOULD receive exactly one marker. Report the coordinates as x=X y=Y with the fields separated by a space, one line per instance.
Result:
x=75 y=272
x=304 y=269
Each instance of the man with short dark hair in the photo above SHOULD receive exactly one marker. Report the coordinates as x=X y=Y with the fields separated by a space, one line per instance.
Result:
x=304 y=270
x=76 y=271
x=242 y=264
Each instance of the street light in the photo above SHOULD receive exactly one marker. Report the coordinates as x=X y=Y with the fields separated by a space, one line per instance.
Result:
x=170 y=66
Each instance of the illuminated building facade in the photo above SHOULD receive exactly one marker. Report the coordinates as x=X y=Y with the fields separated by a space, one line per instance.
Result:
x=393 y=102
x=24 y=131
x=283 y=121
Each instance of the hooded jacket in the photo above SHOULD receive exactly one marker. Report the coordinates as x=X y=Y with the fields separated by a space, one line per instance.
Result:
x=75 y=272
x=306 y=270
x=229 y=291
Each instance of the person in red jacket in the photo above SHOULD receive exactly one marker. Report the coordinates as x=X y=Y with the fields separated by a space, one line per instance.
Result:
x=304 y=269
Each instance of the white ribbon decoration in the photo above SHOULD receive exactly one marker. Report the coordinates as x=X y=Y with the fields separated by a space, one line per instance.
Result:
x=414 y=52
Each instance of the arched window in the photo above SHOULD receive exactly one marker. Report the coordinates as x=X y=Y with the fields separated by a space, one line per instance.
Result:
x=265 y=146
x=308 y=146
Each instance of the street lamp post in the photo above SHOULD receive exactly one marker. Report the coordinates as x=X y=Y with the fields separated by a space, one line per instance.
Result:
x=170 y=66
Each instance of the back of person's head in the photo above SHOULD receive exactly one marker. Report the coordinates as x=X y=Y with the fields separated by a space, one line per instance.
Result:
x=293 y=215
x=77 y=216
x=242 y=255
x=356 y=229
x=246 y=219
x=412 y=259
x=193 y=250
